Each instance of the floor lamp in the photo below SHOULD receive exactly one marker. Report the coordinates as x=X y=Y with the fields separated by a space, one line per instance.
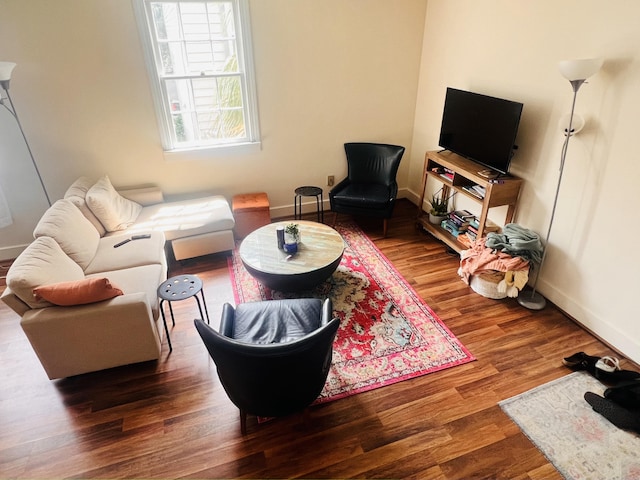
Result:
x=576 y=71
x=5 y=77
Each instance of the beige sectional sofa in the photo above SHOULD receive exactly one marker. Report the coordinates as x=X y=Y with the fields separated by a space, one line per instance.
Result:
x=72 y=334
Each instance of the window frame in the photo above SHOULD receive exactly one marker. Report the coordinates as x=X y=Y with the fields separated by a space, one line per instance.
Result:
x=251 y=141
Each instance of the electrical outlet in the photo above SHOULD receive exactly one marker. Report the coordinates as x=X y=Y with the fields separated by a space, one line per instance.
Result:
x=330 y=181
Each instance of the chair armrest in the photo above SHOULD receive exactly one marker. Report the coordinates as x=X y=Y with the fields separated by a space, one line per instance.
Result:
x=339 y=186
x=327 y=312
x=148 y=195
x=227 y=320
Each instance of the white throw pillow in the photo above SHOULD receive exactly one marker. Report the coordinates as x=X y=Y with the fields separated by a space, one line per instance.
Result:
x=42 y=263
x=113 y=210
x=77 y=193
x=71 y=230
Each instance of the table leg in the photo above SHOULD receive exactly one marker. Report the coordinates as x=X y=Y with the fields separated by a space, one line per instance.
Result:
x=164 y=321
x=206 y=312
x=173 y=319
x=200 y=307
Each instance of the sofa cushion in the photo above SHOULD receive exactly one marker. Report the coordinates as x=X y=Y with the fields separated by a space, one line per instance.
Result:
x=74 y=233
x=186 y=217
x=145 y=251
x=77 y=193
x=42 y=263
x=79 y=292
x=113 y=210
x=145 y=278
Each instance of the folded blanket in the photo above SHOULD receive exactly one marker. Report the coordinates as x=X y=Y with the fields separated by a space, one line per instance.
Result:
x=479 y=258
x=517 y=241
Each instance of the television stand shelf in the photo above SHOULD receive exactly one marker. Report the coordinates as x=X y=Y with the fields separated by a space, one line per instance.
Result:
x=465 y=176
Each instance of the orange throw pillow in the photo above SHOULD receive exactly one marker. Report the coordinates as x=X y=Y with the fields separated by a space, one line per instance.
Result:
x=80 y=292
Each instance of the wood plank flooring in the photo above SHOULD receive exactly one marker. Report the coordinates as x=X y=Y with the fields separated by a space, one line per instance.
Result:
x=172 y=419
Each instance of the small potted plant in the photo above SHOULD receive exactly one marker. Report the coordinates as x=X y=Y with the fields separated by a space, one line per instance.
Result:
x=291 y=238
x=439 y=208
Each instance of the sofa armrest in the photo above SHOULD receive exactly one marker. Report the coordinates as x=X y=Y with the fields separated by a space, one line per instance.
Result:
x=14 y=302
x=146 y=195
x=86 y=338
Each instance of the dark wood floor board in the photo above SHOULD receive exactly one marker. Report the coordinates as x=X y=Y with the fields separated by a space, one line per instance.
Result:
x=172 y=418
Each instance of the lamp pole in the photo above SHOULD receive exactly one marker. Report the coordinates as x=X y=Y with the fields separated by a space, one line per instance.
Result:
x=5 y=72
x=533 y=300
x=576 y=71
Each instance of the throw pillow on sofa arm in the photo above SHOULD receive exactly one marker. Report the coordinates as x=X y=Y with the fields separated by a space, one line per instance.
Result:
x=80 y=292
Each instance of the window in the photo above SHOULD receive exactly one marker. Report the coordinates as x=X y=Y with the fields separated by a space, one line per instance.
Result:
x=199 y=60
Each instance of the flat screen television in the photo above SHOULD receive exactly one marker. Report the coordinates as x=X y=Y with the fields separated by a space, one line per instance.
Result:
x=480 y=128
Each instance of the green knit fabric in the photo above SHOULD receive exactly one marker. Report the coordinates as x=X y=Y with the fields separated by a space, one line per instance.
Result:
x=517 y=241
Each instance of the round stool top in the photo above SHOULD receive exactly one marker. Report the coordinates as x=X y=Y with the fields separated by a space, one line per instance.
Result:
x=308 y=191
x=179 y=287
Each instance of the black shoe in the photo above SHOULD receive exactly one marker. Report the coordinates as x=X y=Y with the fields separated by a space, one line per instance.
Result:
x=617 y=376
x=619 y=416
x=581 y=361
x=626 y=394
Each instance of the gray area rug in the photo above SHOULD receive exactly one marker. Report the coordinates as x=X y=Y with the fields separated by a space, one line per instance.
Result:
x=579 y=442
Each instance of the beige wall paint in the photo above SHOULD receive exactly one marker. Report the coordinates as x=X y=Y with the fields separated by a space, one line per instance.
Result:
x=510 y=49
x=326 y=72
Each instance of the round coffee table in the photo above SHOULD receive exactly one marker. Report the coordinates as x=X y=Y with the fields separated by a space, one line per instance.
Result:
x=319 y=253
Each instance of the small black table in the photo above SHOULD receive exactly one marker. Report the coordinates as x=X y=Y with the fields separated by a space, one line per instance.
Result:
x=179 y=288
x=308 y=191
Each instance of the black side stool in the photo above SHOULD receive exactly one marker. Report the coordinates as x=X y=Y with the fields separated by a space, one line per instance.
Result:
x=179 y=288
x=308 y=191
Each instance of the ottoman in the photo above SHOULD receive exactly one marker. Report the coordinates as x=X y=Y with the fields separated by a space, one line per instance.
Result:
x=250 y=211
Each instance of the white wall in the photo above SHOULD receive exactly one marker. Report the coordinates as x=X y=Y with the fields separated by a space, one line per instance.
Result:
x=510 y=49
x=327 y=72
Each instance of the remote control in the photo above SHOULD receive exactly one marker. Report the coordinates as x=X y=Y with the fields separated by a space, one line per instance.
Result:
x=142 y=235
x=119 y=244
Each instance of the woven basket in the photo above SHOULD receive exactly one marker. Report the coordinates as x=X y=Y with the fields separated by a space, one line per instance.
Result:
x=486 y=284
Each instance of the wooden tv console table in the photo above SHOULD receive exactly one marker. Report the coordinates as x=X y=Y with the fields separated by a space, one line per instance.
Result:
x=465 y=172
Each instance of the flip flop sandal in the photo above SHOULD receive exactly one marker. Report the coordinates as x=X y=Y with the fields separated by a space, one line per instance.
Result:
x=619 y=416
x=608 y=364
x=581 y=361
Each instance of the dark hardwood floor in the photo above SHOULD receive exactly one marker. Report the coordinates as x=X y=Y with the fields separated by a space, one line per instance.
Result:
x=172 y=419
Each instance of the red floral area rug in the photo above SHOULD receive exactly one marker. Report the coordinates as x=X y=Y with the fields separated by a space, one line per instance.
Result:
x=387 y=333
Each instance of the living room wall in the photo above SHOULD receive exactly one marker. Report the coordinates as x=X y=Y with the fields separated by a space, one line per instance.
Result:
x=344 y=70
x=327 y=73
x=510 y=49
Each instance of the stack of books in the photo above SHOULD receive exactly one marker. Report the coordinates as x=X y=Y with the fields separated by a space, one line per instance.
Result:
x=471 y=233
x=472 y=230
x=458 y=222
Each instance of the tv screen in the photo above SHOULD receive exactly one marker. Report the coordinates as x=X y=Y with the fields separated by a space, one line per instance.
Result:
x=480 y=127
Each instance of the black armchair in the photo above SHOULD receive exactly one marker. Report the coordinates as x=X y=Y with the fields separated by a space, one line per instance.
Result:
x=272 y=357
x=370 y=188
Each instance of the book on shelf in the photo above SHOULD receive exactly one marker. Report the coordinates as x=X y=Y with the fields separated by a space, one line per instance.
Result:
x=466 y=239
x=451 y=227
x=469 y=189
x=459 y=223
x=463 y=214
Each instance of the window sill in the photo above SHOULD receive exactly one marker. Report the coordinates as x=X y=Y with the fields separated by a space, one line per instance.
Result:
x=222 y=151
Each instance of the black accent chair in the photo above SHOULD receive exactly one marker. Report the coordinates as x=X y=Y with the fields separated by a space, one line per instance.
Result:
x=370 y=188
x=272 y=357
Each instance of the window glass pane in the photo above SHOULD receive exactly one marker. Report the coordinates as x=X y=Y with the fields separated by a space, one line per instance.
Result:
x=199 y=72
